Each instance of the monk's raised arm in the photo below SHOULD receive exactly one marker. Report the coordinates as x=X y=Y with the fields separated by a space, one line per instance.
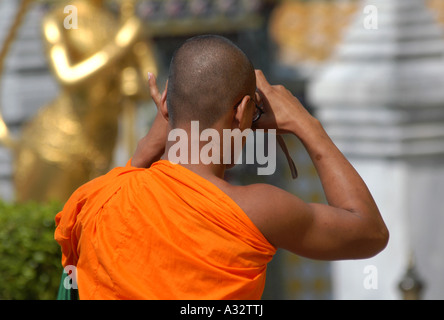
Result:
x=151 y=147
x=349 y=227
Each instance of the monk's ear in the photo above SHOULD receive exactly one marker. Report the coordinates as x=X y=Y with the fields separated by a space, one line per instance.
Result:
x=163 y=108
x=243 y=115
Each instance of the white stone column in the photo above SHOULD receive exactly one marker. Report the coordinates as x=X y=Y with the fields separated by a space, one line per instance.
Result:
x=381 y=99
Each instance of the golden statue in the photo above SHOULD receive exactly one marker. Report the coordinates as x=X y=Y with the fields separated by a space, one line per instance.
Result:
x=101 y=66
x=308 y=32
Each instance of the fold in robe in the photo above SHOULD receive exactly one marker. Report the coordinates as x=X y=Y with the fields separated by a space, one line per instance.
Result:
x=161 y=233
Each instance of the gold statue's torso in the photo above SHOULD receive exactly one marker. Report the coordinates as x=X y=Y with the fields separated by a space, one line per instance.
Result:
x=96 y=27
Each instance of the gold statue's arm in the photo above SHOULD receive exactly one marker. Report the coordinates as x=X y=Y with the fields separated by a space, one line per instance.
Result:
x=69 y=74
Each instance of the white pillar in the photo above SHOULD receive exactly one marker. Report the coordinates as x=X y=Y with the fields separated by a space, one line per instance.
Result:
x=381 y=98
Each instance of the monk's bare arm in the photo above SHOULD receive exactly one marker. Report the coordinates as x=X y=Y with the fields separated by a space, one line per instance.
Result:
x=350 y=226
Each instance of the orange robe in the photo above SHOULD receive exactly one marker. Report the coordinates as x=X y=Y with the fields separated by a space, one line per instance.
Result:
x=161 y=233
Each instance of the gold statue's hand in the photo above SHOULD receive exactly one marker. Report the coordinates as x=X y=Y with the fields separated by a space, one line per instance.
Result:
x=70 y=74
x=129 y=33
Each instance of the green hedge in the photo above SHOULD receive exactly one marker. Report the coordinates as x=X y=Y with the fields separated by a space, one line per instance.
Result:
x=30 y=265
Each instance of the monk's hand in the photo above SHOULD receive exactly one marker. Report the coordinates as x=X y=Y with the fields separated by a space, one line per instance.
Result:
x=154 y=90
x=282 y=110
x=157 y=99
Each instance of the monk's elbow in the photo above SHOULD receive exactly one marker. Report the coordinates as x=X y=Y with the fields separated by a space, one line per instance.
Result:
x=376 y=240
x=385 y=236
x=379 y=244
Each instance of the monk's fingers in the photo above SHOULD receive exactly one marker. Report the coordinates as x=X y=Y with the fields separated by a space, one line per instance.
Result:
x=258 y=98
x=154 y=90
x=261 y=81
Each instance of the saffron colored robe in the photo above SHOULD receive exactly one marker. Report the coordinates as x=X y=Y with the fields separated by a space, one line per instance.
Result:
x=160 y=233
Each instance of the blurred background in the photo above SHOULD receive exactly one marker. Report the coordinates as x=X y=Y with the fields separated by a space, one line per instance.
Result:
x=74 y=103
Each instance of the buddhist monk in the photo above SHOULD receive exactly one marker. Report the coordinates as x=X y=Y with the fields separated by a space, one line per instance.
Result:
x=158 y=229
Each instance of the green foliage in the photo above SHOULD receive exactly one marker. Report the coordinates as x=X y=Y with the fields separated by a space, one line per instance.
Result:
x=30 y=258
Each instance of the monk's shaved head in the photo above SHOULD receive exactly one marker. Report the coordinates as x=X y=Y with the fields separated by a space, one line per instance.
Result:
x=208 y=76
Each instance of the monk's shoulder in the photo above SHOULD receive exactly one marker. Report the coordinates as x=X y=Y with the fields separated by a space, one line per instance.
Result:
x=253 y=199
x=252 y=196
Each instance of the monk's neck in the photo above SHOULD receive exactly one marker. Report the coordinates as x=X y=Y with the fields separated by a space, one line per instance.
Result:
x=203 y=151
x=196 y=158
x=206 y=171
